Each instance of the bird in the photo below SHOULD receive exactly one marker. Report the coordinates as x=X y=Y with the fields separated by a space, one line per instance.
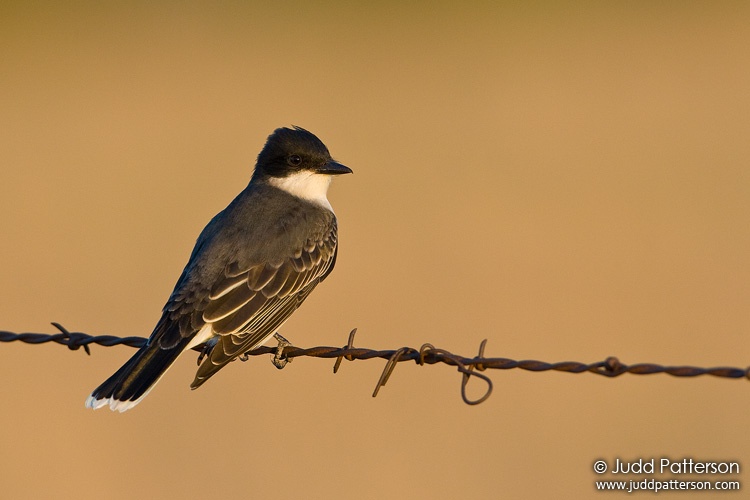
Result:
x=252 y=266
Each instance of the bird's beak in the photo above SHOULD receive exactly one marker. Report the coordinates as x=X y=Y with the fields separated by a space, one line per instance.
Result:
x=333 y=168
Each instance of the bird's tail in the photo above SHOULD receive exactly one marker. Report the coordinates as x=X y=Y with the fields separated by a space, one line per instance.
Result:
x=133 y=381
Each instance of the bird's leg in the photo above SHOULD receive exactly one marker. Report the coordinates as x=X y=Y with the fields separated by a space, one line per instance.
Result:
x=279 y=360
x=207 y=348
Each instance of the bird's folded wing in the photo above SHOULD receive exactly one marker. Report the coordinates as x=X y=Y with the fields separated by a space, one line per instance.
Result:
x=246 y=307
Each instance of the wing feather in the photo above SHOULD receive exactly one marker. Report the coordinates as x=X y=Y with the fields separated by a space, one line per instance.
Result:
x=282 y=276
x=257 y=280
x=228 y=303
x=235 y=322
x=290 y=285
x=226 y=285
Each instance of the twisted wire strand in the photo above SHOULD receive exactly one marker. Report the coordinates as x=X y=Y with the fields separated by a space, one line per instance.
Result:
x=426 y=354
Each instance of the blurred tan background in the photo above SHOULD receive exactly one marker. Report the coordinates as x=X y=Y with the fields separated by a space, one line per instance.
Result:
x=568 y=181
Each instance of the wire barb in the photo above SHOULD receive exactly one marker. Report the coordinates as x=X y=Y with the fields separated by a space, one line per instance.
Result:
x=72 y=338
x=427 y=354
x=349 y=345
x=470 y=371
x=389 y=367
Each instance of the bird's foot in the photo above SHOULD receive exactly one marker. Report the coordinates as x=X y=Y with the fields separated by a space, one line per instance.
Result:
x=279 y=360
x=207 y=348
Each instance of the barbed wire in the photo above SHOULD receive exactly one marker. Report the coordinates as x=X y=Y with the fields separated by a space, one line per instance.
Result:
x=426 y=354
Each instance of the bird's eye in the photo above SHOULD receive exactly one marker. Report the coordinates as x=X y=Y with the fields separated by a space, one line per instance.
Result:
x=294 y=160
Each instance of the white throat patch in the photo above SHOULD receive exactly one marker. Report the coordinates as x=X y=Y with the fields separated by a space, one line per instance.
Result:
x=306 y=185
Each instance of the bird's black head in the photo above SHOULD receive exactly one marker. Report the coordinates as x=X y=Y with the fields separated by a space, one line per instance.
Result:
x=293 y=150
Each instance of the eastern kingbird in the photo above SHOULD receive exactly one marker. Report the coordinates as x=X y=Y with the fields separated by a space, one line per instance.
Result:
x=251 y=268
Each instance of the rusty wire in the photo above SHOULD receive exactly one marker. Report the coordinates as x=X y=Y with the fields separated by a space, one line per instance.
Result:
x=426 y=354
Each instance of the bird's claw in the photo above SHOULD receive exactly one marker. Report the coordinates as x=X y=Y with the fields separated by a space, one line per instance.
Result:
x=207 y=348
x=279 y=360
